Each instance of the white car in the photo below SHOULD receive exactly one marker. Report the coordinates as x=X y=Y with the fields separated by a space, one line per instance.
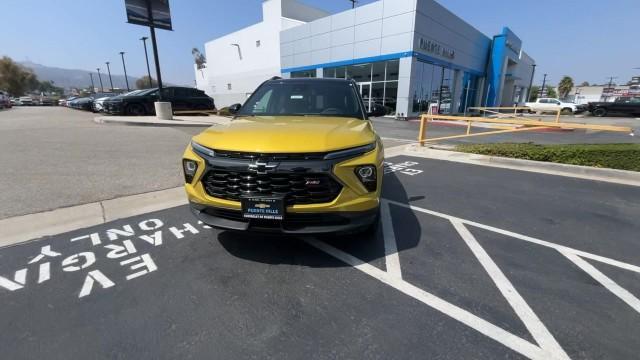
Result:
x=551 y=105
x=26 y=100
x=98 y=103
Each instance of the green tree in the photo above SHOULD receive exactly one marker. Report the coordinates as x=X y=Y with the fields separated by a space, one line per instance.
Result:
x=551 y=92
x=143 y=82
x=48 y=87
x=585 y=83
x=535 y=89
x=565 y=86
x=16 y=79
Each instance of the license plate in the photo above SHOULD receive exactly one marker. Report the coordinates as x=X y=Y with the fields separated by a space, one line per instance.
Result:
x=263 y=208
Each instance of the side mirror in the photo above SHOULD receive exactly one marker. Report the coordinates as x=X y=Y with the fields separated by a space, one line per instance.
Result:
x=234 y=108
x=377 y=110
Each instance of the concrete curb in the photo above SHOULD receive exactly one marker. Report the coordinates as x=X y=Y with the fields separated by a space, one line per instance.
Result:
x=144 y=122
x=623 y=177
x=19 y=229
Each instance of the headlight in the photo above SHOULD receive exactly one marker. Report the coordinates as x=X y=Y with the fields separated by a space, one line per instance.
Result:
x=367 y=176
x=202 y=149
x=190 y=167
x=353 y=152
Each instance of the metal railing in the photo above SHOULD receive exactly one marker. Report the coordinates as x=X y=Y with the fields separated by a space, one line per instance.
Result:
x=508 y=123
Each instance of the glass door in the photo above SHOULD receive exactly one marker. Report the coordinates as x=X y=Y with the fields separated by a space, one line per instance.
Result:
x=365 y=92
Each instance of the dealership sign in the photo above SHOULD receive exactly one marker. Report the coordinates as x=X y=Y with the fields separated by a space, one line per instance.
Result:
x=433 y=47
x=138 y=12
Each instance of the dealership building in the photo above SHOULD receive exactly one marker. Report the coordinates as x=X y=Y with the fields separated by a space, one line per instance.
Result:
x=408 y=55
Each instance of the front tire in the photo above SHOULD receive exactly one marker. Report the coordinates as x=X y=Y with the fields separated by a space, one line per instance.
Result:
x=566 y=111
x=599 y=112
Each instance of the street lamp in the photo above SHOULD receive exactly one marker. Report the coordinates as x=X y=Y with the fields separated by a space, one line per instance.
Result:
x=125 y=70
x=544 y=80
x=144 y=43
x=93 y=87
x=100 y=77
x=109 y=71
x=533 y=72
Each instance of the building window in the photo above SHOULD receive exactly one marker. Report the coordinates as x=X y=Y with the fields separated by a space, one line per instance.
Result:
x=304 y=74
x=229 y=86
x=433 y=89
x=257 y=43
x=377 y=81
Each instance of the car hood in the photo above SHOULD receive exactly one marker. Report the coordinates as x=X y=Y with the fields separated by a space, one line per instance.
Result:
x=288 y=134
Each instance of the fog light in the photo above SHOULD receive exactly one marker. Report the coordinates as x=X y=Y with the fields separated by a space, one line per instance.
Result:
x=190 y=167
x=367 y=176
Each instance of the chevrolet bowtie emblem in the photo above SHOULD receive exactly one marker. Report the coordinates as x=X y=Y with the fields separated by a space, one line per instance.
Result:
x=262 y=206
x=262 y=168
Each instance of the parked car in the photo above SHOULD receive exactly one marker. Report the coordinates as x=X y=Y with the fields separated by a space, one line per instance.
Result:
x=301 y=156
x=46 y=101
x=83 y=103
x=542 y=105
x=67 y=101
x=181 y=98
x=26 y=100
x=5 y=100
x=622 y=105
x=15 y=102
x=99 y=99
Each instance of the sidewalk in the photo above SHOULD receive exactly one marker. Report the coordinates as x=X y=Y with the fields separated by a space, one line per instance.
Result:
x=178 y=120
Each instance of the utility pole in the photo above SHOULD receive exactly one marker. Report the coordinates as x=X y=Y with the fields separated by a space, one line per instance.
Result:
x=146 y=56
x=125 y=70
x=533 y=72
x=100 y=77
x=109 y=71
x=155 y=49
x=93 y=87
x=609 y=86
x=544 y=80
x=353 y=3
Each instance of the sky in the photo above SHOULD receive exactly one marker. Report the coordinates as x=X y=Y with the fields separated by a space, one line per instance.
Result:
x=588 y=40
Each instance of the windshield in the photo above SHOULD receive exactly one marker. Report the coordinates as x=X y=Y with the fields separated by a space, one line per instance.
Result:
x=321 y=98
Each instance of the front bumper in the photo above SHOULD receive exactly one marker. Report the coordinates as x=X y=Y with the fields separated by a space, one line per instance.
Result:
x=293 y=223
x=353 y=208
x=114 y=108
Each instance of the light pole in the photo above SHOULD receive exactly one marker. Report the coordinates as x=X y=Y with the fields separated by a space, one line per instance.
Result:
x=609 y=86
x=544 y=80
x=353 y=3
x=100 y=77
x=109 y=71
x=146 y=56
x=93 y=87
x=533 y=72
x=125 y=70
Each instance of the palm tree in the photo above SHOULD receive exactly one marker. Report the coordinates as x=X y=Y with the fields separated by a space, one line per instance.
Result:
x=565 y=86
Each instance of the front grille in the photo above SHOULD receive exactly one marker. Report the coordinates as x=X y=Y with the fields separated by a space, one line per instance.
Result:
x=296 y=188
x=268 y=157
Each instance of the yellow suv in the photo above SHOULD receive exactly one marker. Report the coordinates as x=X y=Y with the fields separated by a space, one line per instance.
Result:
x=299 y=157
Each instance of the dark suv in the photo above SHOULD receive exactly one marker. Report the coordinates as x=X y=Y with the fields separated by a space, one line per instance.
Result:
x=181 y=98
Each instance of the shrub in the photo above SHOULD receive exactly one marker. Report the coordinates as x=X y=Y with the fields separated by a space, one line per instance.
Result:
x=614 y=156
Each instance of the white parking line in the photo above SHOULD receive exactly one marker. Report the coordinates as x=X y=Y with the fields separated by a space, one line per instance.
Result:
x=494 y=332
x=547 y=347
x=512 y=234
x=392 y=259
x=604 y=280
x=537 y=329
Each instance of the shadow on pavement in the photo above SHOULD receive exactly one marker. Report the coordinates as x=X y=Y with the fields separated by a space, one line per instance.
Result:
x=292 y=250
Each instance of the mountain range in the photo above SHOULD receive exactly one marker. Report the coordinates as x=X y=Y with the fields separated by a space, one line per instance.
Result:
x=73 y=78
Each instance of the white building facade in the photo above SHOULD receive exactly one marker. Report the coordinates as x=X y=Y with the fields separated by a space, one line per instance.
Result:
x=410 y=56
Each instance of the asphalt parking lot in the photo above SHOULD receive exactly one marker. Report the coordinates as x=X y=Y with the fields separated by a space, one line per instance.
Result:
x=470 y=262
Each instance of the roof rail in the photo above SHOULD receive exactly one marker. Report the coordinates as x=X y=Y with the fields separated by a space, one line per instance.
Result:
x=276 y=78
